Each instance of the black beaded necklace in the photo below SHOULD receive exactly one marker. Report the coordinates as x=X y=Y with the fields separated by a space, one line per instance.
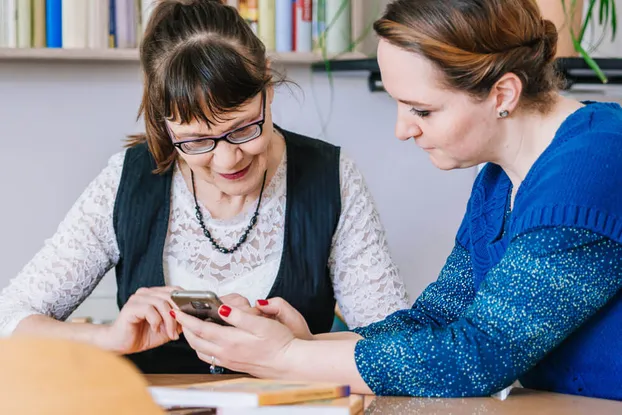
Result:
x=207 y=233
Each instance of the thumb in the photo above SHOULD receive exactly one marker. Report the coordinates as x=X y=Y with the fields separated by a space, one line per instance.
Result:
x=281 y=311
x=246 y=321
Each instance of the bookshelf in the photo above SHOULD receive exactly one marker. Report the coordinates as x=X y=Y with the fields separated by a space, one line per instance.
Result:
x=131 y=55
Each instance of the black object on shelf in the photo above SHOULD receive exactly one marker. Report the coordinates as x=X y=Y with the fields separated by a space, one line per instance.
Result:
x=574 y=70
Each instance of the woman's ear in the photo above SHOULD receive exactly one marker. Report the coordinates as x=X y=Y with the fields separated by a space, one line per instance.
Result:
x=506 y=94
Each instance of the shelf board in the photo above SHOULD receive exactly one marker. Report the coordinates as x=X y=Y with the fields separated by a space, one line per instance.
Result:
x=573 y=70
x=131 y=55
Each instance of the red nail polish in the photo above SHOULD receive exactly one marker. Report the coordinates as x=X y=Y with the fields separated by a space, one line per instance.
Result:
x=224 y=310
x=172 y=313
x=262 y=302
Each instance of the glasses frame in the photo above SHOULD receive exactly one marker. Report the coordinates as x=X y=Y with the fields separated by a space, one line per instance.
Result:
x=223 y=137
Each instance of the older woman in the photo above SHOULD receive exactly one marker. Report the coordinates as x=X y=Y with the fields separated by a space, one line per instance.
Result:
x=214 y=197
x=532 y=289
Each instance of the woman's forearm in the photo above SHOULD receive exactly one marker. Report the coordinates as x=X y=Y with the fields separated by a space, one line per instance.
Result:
x=324 y=361
x=338 y=335
x=40 y=325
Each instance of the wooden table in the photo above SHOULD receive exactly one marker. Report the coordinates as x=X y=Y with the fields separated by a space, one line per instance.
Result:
x=520 y=401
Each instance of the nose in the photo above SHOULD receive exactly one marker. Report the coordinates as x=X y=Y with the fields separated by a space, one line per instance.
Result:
x=406 y=126
x=226 y=156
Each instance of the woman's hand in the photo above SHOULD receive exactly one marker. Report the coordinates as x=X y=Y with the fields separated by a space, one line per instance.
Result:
x=287 y=315
x=144 y=322
x=254 y=344
x=237 y=301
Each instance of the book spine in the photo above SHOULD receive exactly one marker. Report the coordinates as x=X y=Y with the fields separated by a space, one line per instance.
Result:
x=74 y=23
x=24 y=23
x=2 y=25
x=10 y=32
x=318 y=25
x=54 y=23
x=339 y=32
x=112 y=26
x=304 y=18
x=138 y=22
x=38 y=24
x=280 y=397
x=98 y=24
x=132 y=28
x=284 y=26
x=266 y=20
x=122 y=25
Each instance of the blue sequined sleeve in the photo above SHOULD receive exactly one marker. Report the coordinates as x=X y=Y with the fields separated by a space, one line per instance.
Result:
x=547 y=284
x=441 y=303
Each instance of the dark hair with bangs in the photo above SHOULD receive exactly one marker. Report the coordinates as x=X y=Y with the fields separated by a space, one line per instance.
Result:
x=200 y=60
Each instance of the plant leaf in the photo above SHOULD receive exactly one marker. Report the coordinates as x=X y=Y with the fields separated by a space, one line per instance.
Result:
x=614 y=19
x=586 y=19
x=591 y=62
x=603 y=15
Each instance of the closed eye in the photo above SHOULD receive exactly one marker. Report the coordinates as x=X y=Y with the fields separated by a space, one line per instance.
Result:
x=419 y=113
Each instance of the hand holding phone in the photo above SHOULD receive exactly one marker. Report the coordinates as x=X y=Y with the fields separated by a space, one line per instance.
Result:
x=200 y=304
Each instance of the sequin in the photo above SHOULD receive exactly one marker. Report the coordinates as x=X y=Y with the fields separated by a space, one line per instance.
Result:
x=454 y=342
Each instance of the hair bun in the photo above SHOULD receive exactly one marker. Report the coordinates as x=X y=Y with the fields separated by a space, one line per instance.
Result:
x=549 y=39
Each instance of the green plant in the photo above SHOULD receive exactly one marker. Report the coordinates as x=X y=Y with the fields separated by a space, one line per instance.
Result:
x=607 y=17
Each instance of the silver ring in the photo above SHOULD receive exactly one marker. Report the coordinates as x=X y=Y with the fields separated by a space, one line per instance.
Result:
x=213 y=360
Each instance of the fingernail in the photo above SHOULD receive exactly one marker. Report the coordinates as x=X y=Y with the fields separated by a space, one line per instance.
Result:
x=172 y=313
x=224 y=310
x=262 y=302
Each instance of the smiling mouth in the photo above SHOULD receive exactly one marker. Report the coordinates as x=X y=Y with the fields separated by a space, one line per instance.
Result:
x=237 y=175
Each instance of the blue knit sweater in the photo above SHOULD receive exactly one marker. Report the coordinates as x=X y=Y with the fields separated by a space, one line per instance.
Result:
x=532 y=294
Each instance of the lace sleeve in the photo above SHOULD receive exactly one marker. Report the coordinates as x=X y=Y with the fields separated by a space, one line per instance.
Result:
x=365 y=279
x=72 y=262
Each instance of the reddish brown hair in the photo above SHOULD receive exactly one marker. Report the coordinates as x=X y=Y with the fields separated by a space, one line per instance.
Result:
x=475 y=42
x=200 y=60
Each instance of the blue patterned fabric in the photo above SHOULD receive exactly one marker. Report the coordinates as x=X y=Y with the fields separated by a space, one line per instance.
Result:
x=456 y=342
x=530 y=291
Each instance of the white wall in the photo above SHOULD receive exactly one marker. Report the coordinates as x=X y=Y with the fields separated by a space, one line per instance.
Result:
x=61 y=121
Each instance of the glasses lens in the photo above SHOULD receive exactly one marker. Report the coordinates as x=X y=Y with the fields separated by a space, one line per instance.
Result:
x=245 y=134
x=198 y=147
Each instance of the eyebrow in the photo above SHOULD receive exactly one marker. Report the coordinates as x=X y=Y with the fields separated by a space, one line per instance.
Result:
x=413 y=103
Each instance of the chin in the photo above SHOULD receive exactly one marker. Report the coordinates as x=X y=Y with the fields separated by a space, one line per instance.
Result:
x=444 y=163
x=240 y=187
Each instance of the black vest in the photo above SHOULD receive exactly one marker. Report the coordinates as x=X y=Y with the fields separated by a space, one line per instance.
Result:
x=141 y=216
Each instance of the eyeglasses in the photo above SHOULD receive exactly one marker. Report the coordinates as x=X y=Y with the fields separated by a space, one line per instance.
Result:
x=238 y=136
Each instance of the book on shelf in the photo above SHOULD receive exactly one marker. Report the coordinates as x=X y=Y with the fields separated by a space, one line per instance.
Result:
x=303 y=22
x=38 y=24
x=246 y=393
x=8 y=26
x=267 y=24
x=24 y=23
x=284 y=26
x=351 y=405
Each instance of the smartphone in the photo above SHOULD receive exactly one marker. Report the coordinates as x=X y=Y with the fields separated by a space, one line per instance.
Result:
x=200 y=304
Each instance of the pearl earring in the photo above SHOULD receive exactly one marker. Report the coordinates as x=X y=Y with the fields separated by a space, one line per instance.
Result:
x=504 y=114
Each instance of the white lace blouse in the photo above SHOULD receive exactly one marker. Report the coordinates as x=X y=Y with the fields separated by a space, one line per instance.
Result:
x=84 y=248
